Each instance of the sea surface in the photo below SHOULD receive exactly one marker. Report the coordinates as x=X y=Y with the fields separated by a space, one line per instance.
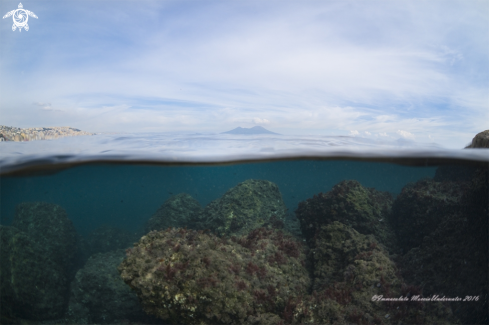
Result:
x=117 y=182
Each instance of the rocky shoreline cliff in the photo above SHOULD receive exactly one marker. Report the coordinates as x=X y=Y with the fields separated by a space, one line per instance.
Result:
x=8 y=133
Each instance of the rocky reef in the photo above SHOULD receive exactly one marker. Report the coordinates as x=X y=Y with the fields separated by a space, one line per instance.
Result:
x=192 y=277
x=351 y=274
x=421 y=207
x=98 y=294
x=178 y=211
x=49 y=227
x=37 y=254
x=364 y=209
x=247 y=206
x=351 y=262
x=452 y=258
x=361 y=257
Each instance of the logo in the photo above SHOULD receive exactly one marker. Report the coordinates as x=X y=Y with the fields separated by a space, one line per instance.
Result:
x=20 y=17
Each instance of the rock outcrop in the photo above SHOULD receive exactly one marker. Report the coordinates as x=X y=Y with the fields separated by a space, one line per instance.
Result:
x=247 y=206
x=364 y=209
x=178 y=211
x=481 y=140
x=99 y=291
x=188 y=276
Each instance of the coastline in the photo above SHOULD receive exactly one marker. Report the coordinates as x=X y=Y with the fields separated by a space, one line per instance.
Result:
x=9 y=133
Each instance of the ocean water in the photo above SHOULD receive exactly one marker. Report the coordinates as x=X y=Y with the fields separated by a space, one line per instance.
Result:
x=78 y=203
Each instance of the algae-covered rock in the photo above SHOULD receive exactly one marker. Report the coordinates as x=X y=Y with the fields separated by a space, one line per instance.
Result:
x=352 y=272
x=192 y=277
x=421 y=207
x=248 y=205
x=99 y=289
x=32 y=285
x=453 y=259
x=38 y=251
x=364 y=209
x=337 y=246
x=48 y=226
x=178 y=211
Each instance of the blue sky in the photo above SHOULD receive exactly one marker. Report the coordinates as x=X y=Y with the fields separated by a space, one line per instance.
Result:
x=382 y=69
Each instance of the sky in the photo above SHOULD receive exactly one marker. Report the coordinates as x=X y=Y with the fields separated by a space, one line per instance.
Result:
x=416 y=70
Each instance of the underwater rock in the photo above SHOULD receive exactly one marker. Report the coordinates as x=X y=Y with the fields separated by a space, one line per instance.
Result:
x=421 y=207
x=364 y=209
x=453 y=259
x=42 y=251
x=32 y=284
x=178 y=212
x=337 y=246
x=264 y=319
x=248 y=205
x=48 y=226
x=190 y=277
x=105 y=239
x=351 y=269
x=99 y=290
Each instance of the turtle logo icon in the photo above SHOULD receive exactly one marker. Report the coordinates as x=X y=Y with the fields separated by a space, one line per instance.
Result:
x=20 y=16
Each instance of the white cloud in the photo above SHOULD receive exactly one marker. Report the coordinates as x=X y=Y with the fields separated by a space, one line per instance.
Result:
x=367 y=133
x=260 y=121
x=354 y=132
x=405 y=134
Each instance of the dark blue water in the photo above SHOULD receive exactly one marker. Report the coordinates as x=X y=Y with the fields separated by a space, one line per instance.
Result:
x=127 y=195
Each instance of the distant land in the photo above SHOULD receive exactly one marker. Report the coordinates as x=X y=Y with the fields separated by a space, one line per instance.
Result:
x=9 y=133
x=253 y=130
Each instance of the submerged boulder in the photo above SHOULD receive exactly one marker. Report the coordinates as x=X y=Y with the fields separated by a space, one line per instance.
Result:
x=247 y=206
x=453 y=259
x=192 y=277
x=178 y=211
x=32 y=285
x=337 y=246
x=420 y=208
x=352 y=273
x=99 y=290
x=364 y=209
x=48 y=226
x=37 y=261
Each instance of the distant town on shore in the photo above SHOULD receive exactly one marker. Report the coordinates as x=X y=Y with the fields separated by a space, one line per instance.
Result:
x=9 y=133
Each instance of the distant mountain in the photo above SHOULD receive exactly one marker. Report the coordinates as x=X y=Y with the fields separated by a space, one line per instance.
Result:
x=253 y=130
